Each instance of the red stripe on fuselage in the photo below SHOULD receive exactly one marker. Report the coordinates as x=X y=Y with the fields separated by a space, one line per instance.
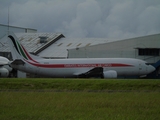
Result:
x=79 y=65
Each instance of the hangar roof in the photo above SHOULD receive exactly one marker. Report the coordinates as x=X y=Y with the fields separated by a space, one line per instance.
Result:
x=33 y=42
x=52 y=45
x=60 y=47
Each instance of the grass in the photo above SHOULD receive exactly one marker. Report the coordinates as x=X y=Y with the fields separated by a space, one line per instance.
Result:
x=79 y=84
x=79 y=99
x=72 y=105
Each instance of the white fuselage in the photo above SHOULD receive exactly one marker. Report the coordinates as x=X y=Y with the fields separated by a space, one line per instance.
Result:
x=73 y=67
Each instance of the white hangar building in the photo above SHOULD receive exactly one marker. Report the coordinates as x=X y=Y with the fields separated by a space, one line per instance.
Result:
x=146 y=48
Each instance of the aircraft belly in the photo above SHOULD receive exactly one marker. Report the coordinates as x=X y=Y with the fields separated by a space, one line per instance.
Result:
x=59 y=72
x=125 y=71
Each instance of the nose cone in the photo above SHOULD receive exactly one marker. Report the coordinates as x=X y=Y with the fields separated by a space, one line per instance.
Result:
x=151 y=68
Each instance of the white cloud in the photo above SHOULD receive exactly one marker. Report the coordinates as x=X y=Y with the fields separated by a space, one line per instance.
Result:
x=149 y=20
x=85 y=18
x=87 y=14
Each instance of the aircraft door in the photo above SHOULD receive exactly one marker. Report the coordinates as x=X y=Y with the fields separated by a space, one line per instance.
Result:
x=142 y=69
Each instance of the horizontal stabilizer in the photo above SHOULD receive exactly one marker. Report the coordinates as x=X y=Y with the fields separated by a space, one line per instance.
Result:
x=18 y=62
x=1 y=64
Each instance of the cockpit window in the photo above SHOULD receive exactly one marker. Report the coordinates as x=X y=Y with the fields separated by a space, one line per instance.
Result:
x=147 y=63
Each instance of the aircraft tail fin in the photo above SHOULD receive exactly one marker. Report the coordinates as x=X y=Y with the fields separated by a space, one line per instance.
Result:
x=157 y=64
x=17 y=50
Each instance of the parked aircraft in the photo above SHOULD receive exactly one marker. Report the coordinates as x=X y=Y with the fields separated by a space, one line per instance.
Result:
x=4 y=67
x=84 y=67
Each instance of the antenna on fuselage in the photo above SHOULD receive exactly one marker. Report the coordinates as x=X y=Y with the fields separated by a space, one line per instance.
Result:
x=8 y=20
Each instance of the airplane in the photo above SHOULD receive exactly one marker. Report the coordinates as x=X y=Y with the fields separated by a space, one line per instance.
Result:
x=75 y=67
x=5 y=69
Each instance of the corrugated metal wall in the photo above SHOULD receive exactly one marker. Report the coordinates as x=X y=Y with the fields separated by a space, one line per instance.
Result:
x=124 y=49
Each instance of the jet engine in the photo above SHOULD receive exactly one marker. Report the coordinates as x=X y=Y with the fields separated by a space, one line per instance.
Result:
x=4 y=72
x=110 y=74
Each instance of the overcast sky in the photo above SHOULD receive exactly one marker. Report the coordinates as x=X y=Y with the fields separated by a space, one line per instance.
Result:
x=115 y=19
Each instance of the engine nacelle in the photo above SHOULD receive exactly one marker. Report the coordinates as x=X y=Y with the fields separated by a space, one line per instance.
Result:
x=4 y=72
x=110 y=74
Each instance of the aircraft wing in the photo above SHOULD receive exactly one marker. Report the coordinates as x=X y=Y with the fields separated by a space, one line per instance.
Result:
x=18 y=62
x=95 y=72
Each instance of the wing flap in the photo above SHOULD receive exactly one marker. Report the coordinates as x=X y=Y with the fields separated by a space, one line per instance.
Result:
x=95 y=72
